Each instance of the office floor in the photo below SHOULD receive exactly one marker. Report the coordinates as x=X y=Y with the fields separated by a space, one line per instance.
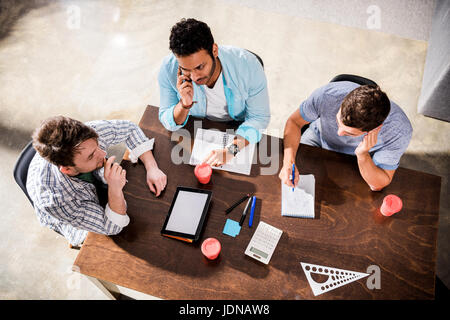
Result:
x=93 y=60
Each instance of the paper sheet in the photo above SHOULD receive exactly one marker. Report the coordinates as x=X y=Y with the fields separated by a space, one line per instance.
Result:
x=208 y=140
x=300 y=202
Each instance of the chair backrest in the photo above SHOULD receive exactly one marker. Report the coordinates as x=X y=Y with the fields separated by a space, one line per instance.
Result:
x=353 y=78
x=257 y=57
x=21 y=168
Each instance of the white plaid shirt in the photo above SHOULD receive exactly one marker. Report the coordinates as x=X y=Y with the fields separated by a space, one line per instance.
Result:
x=70 y=205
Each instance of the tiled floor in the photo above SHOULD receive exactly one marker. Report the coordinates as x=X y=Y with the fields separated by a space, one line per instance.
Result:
x=93 y=60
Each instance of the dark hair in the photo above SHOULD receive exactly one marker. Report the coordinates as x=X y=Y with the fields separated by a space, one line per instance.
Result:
x=190 y=36
x=365 y=108
x=58 y=138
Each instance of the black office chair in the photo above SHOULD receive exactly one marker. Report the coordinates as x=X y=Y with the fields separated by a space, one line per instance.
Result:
x=348 y=77
x=353 y=78
x=257 y=57
x=21 y=168
x=21 y=171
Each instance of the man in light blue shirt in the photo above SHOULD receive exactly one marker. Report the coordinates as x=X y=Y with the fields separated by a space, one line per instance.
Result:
x=220 y=83
x=352 y=119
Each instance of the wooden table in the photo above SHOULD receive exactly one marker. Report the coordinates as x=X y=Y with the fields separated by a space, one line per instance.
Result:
x=348 y=232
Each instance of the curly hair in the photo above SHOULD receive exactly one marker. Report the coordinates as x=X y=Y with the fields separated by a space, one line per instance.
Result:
x=365 y=108
x=58 y=138
x=190 y=36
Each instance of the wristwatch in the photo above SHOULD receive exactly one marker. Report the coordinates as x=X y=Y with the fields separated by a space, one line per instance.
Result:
x=233 y=149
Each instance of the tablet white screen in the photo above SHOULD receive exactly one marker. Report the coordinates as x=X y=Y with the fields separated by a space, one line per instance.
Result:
x=186 y=212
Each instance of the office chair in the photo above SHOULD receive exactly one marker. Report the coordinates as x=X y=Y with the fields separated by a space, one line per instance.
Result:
x=353 y=78
x=21 y=171
x=257 y=57
x=21 y=168
x=348 y=77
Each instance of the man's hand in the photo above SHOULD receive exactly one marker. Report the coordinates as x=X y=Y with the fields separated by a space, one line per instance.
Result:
x=114 y=174
x=218 y=157
x=285 y=175
x=185 y=88
x=370 y=140
x=156 y=180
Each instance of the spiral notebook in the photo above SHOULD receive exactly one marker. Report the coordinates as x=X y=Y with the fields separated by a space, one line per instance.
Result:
x=300 y=202
x=208 y=140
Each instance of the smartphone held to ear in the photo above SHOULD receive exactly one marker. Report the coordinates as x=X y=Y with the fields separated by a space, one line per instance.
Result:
x=181 y=74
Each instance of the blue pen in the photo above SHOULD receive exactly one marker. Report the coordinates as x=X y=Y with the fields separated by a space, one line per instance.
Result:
x=293 y=176
x=250 y=221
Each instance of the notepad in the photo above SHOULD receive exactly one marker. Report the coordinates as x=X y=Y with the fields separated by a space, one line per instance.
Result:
x=231 y=228
x=208 y=140
x=300 y=202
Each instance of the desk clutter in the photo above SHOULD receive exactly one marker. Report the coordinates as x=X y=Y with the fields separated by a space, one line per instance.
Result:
x=190 y=206
x=335 y=247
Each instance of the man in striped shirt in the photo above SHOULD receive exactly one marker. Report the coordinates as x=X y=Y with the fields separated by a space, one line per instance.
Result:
x=69 y=164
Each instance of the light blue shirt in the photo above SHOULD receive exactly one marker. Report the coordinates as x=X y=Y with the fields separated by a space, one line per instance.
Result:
x=245 y=88
x=321 y=109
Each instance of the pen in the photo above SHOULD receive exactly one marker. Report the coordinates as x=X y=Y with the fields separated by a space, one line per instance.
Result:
x=244 y=213
x=252 y=211
x=237 y=203
x=293 y=176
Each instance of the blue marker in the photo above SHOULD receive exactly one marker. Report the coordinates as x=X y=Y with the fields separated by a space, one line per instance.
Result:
x=293 y=176
x=250 y=221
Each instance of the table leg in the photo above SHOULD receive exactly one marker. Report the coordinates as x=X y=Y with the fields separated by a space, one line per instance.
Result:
x=102 y=287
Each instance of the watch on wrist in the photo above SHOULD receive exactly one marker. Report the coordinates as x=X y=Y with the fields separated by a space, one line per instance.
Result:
x=233 y=149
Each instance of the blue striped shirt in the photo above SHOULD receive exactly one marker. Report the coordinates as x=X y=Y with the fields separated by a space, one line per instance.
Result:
x=70 y=205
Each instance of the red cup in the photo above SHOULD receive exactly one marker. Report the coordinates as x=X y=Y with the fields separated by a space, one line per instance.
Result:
x=211 y=248
x=391 y=204
x=203 y=172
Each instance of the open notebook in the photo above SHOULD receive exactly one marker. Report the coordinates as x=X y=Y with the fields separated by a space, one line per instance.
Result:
x=208 y=140
x=300 y=202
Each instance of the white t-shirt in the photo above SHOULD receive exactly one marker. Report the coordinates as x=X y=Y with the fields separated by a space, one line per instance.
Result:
x=216 y=103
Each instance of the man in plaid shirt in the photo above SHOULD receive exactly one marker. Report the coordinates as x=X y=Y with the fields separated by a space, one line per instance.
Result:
x=69 y=162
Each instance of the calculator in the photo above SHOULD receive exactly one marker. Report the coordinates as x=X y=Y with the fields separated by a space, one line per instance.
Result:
x=263 y=243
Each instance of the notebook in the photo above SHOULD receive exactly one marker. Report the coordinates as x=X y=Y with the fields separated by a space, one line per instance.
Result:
x=300 y=202
x=208 y=140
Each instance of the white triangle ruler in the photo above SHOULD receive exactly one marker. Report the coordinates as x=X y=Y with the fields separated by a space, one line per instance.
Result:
x=336 y=277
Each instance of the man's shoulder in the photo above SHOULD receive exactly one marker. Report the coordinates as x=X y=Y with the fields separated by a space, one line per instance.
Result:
x=397 y=121
x=237 y=56
x=169 y=63
x=42 y=176
x=338 y=89
x=330 y=96
x=114 y=124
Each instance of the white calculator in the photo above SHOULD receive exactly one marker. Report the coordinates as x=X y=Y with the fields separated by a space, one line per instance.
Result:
x=263 y=243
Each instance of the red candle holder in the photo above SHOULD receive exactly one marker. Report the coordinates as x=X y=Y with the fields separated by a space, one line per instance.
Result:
x=211 y=248
x=391 y=204
x=203 y=172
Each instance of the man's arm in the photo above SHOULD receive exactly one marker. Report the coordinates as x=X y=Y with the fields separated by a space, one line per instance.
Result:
x=156 y=179
x=291 y=141
x=186 y=90
x=377 y=178
x=115 y=176
x=219 y=157
x=89 y=215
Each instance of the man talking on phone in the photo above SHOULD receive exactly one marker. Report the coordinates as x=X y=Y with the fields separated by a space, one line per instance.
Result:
x=220 y=83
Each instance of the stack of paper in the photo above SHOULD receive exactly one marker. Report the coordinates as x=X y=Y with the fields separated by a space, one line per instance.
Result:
x=209 y=140
x=300 y=202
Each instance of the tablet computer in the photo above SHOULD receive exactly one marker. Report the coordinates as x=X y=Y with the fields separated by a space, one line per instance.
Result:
x=187 y=214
